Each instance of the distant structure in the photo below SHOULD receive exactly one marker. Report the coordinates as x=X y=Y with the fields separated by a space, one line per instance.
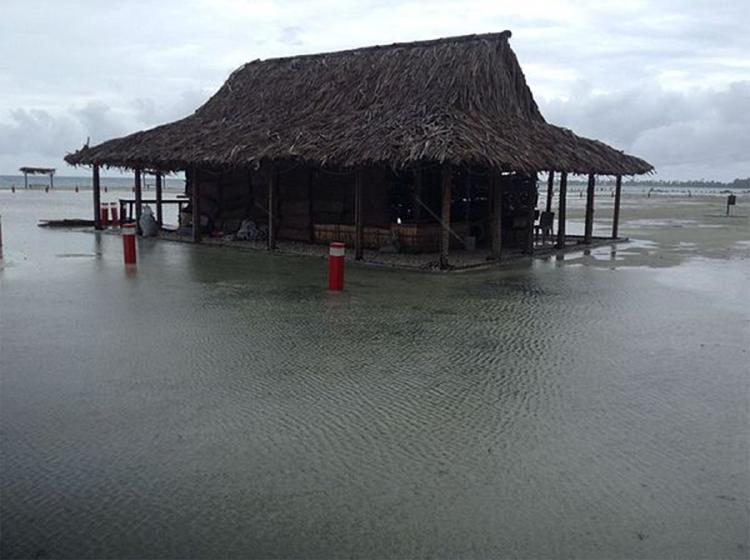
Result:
x=37 y=171
x=420 y=146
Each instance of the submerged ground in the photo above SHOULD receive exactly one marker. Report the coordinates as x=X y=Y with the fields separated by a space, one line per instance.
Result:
x=216 y=403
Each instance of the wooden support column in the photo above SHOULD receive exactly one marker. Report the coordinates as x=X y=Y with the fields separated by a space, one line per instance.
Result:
x=589 y=225
x=138 y=201
x=467 y=196
x=159 y=214
x=530 y=219
x=417 y=217
x=445 y=214
x=96 y=188
x=195 y=203
x=51 y=180
x=550 y=190
x=616 y=217
x=358 y=225
x=310 y=206
x=562 y=210
x=496 y=190
x=249 y=208
x=273 y=180
x=25 y=180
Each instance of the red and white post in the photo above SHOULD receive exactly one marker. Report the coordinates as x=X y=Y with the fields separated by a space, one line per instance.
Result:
x=336 y=254
x=104 y=215
x=128 y=243
x=114 y=214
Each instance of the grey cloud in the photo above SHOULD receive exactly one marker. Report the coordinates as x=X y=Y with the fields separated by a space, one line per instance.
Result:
x=706 y=128
x=151 y=112
x=36 y=130
x=666 y=80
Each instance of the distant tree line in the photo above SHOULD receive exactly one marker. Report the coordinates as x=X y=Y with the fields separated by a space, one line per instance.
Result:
x=693 y=184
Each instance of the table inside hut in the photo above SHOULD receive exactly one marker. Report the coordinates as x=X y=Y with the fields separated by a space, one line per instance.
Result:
x=127 y=205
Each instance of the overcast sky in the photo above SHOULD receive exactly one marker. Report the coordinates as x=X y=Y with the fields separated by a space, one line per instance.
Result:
x=668 y=81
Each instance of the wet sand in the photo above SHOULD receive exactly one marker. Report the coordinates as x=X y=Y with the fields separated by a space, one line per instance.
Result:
x=217 y=403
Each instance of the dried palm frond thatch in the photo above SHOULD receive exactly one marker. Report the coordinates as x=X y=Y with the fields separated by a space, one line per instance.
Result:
x=459 y=99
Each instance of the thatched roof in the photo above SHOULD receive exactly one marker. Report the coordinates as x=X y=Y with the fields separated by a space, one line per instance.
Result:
x=460 y=99
x=37 y=170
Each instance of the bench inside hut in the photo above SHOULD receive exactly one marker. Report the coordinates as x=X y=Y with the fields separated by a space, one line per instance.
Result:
x=400 y=210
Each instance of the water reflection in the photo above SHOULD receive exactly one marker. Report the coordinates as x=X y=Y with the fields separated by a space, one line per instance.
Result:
x=226 y=403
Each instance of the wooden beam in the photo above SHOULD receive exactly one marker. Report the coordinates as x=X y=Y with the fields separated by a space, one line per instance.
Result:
x=250 y=208
x=550 y=190
x=530 y=219
x=496 y=191
x=467 y=196
x=562 y=210
x=358 y=225
x=159 y=214
x=445 y=217
x=588 y=231
x=195 y=202
x=616 y=217
x=417 y=217
x=310 y=206
x=138 y=201
x=273 y=180
x=97 y=198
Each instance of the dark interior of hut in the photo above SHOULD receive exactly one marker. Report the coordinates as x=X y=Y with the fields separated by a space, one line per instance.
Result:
x=400 y=212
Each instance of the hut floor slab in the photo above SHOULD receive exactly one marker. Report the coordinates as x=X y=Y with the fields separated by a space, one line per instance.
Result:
x=459 y=259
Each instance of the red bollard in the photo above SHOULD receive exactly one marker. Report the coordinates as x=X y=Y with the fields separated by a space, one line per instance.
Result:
x=336 y=254
x=128 y=243
x=113 y=212
x=104 y=215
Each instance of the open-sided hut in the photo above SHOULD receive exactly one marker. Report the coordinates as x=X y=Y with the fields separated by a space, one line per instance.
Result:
x=50 y=171
x=418 y=146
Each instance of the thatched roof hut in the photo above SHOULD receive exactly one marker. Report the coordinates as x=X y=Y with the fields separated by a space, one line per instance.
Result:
x=462 y=100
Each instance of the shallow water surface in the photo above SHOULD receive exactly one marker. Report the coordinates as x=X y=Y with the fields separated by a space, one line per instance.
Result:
x=216 y=403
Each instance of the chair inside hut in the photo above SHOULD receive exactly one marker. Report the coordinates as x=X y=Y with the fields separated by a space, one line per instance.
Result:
x=400 y=209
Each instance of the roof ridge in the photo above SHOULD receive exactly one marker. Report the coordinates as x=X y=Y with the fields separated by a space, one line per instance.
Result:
x=501 y=35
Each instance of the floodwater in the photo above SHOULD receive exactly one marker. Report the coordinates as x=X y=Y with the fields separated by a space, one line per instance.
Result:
x=216 y=403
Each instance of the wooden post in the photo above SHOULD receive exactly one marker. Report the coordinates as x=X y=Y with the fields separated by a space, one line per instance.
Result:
x=310 y=206
x=530 y=219
x=561 y=211
x=26 y=181
x=138 y=201
x=467 y=196
x=496 y=190
x=358 y=225
x=550 y=190
x=445 y=217
x=96 y=188
x=272 y=185
x=616 y=217
x=417 y=193
x=250 y=194
x=195 y=202
x=589 y=225
x=159 y=215
x=51 y=180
